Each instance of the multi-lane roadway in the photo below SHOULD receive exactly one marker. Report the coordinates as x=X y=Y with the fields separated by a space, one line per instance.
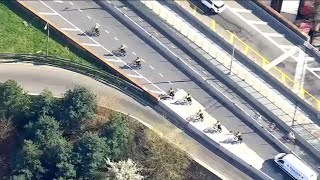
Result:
x=157 y=74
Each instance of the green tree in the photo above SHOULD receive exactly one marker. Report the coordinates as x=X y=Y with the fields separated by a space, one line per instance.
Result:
x=14 y=102
x=44 y=104
x=118 y=134
x=45 y=131
x=90 y=154
x=78 y=107
x=58 y=161
x=28 y=164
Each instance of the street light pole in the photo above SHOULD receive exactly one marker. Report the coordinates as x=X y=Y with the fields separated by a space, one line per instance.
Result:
x=48 y=33
x=294 y=113
x=232 y=56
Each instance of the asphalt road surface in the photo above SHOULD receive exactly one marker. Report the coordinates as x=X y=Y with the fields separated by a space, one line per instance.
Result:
x=157 y=73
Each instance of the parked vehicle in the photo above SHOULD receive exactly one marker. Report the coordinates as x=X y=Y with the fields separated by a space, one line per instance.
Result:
x=294 y=167
x=216 y=6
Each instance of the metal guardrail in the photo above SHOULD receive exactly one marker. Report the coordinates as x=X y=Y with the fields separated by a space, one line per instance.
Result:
x=96 y=74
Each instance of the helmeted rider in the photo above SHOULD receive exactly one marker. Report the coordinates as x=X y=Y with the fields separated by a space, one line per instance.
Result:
x=96 y=27
x=200 y=114
x=238 y=135
x=138 y=61
x=171 y=92
x=189 y=99
x=218 y=125
x=122 y=48
x=291 y=136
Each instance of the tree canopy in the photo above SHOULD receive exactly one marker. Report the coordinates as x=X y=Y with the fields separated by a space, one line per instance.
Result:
x=90 y=155
x=14 y=102
x=118 y=134
x=78 y=106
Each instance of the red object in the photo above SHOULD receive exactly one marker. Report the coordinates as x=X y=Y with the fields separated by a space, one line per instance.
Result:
x=307 y=9
x=305 y=27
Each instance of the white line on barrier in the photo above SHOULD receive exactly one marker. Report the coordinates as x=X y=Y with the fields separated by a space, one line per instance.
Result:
x=113 y=60
x=99 y=44
x=48 y=13
x=274 y=35
x=71 y=3
x=151 y=67
x=106 y=31
x=160 y=74
x=116 y=38
x=258 y=22
x=80 y=10
x=70 y=29
x=136 y=76
x=88 y=17
x=89 y=44
x=240 y=10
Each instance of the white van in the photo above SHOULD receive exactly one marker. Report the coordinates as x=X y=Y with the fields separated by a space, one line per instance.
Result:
x=214 y=5
x=295 y=167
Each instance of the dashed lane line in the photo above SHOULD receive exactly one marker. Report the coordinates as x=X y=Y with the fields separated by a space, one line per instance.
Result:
x=80 y=10
x=258 y=22
x=160 y=75
x=58 y=1
x=106 y=31
x=157 y=92
x=88 y=17
x=274 y=35
x=170 y=82
x=98 y=43
x=151 y=67
x=240 y=10
x=116 y=38
x=134 y=53
x=70 y=2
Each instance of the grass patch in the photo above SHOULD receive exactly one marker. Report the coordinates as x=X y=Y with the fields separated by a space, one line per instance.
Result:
x=16 y=37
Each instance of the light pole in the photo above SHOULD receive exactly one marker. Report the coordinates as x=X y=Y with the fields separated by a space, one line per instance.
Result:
x=294 y=113
x=47 y=27
x=232 y=55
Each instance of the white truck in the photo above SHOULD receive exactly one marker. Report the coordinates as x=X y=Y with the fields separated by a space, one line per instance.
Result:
x=216 y=6
x=294 y=167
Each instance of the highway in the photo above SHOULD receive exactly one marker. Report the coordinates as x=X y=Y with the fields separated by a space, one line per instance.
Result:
x=59 y=80
x=157 y=74
x=268 y=37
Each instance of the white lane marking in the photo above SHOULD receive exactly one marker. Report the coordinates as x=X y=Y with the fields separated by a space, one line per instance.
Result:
x=109 y=2
x=93 y=45
x=160 y=74
x=100 y=45
x=117 y=8
x=134 y=53
x=240 y=10
x=116 y=38
x=143 y=60
x=136 y=76
x=151 y=67
x=157 y=92
x=48 y=13
x=169 y=82
x=273 y=34
x=69 y=29
x=58 y=1
x=98 y=24
x=156 y=33
x=106 y=31
x=140 y=19
x=173 y=46
x=80 y=10
x=112 y=60
x=88 y=17
x=71 y=2
x=258 y=22
x=204 y=72
x=125 y=8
